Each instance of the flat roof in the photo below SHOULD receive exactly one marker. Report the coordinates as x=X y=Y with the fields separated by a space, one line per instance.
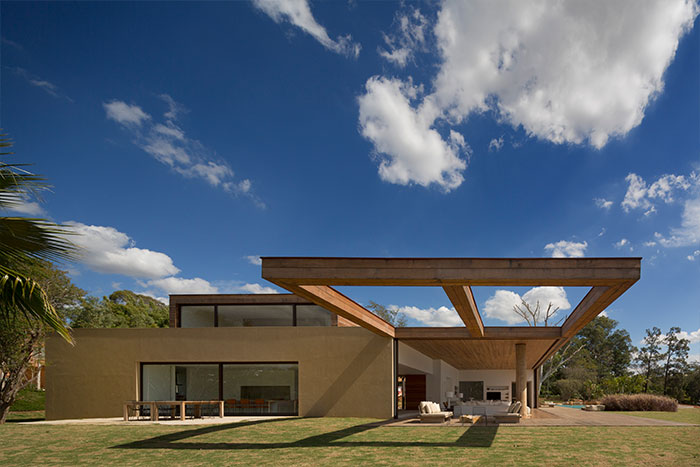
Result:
x=313 y=278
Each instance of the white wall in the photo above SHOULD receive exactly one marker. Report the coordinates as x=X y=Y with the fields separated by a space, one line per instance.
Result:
x=493 y=378
x=412 y=361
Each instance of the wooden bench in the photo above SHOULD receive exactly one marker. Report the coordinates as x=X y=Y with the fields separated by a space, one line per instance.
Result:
x=173 y=405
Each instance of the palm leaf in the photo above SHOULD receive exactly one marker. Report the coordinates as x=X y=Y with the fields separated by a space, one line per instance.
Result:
x=21 y=237
x=25 y=295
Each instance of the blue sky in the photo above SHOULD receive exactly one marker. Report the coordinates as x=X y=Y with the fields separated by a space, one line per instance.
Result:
x=184 y=140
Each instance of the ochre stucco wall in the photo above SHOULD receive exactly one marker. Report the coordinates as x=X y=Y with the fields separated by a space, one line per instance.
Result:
x=343 y=371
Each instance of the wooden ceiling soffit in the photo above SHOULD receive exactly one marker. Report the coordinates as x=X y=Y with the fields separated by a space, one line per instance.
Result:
x=451 y=271
x=462 y=299
x=332 y=300
x=519 y=333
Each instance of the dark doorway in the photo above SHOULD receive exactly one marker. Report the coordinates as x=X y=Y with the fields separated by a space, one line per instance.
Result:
x=415 y=391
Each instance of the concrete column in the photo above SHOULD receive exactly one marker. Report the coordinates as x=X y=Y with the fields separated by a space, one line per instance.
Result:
x=521 y=378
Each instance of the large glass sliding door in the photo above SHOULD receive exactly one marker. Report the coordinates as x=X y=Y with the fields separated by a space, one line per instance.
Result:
x=256 y=388
x=246 y=388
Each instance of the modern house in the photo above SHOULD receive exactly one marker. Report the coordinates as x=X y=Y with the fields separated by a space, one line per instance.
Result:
x=316 y=352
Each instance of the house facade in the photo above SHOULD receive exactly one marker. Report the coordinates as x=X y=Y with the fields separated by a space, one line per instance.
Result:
x=315 y=352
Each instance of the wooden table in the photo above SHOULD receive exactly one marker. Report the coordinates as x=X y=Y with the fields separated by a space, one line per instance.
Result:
x=173 y=404
x=471 y=419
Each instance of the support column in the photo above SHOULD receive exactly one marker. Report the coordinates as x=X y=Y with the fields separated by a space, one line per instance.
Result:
x=521 y=378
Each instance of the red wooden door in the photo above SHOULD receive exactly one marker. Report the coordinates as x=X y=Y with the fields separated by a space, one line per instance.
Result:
x=415 y=391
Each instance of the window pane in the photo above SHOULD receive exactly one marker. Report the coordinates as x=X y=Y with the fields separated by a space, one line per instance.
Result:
x=261 y=388
x=255 y=315
x=313 y=315
x=196 y=316
x=180 y=382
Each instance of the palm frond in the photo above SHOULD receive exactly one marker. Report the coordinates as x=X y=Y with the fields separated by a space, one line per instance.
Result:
x=38 y=238
x=26 y=296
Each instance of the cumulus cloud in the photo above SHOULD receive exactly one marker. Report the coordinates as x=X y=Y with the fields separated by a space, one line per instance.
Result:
x=434 y=317
x=640 y=196
x=107 y=250
x=622 y=243
x=254 y=260
x=565 y=249
x=178 y=285
x=695 y=254
x=412 y=27
x=46 y=86
x=566 y=71
x=578 y=72
x=298 y=13
x=500 y=305
x=689 y=231
x=603 y=203
x=408 y=148
x=167 y=142
x=693 y=336
x=255 y=288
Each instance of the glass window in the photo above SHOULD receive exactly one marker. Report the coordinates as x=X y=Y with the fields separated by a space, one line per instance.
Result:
x=196 y=316
x=313 y=315
x=166 y=382
x=261 y=388
x=255 y=315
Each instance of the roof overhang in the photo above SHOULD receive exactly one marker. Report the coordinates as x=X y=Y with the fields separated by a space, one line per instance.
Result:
x=313 y=279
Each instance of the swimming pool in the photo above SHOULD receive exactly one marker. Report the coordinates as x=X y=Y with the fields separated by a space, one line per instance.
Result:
x=571 y=406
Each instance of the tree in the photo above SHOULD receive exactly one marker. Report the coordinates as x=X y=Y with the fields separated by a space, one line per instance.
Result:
x=122 y=309
x=675 y=360
x=22 y=336
x=650 y=355
x=692 y=383
x=23 y=239
x=391 y=315
x=609 y=349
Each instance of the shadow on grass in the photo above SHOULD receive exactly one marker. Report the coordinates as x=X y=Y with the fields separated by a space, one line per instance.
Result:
x=473 y=437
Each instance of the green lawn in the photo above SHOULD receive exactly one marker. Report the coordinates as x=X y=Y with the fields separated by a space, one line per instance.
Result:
x=29 y=399
x=683 y=415
x=346 y=441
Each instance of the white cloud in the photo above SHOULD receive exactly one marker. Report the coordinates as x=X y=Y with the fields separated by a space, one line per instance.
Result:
x=693 y=336
x=622 y=243
x=603 y=203
x=640 y=196
x=564 y=249
x=256 y=289
x=298 y=13
x=604 y=313
x=500 y=304
x=566 y=72
x=409 y=149
x=178 y=285
x=650 y=243
x=496 y=144
x=29 y=208
x=695 y=254
x=411 y=30
x=107 y=250
x=254 y=260
x=42 y=84
x=689 y=231
x=125 y=114
x=434 y=317
x=169 y=145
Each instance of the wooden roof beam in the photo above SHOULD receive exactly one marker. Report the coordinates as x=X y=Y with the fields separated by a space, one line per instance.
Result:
x=334 y=301
x=451 y=271
x=462 y=299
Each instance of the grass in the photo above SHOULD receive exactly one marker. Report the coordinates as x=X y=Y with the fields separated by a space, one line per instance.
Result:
x=29 y=399
x=683 y=415
x=344 y=441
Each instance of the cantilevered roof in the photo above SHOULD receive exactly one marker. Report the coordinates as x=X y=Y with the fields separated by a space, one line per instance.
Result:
x=313 y=278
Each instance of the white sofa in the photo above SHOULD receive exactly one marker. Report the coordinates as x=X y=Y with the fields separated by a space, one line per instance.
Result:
x=488 y=408
x=429 y=412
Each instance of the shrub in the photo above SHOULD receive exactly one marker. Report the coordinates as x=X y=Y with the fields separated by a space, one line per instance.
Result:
x=637 y=402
